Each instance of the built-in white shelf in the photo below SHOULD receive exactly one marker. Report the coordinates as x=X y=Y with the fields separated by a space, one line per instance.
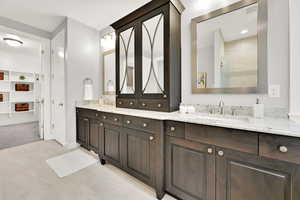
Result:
x=11 y=96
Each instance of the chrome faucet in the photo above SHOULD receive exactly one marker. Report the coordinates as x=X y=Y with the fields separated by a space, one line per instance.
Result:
x=222 y=107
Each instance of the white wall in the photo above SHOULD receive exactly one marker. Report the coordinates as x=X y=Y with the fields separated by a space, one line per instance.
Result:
x=295 y=60
x=82 y=62
x=278 y=58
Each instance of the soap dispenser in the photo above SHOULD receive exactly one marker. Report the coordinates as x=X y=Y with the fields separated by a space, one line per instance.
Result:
x=258 y=109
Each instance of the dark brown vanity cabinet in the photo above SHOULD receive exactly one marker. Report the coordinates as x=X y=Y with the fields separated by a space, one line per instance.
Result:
x=148 y=57
x=249 y=177
x=83 y=129
x=138 y=152
x=131 y=143
x=88 y=130
x=211 y=163
x=190 y=169
x=112 y=144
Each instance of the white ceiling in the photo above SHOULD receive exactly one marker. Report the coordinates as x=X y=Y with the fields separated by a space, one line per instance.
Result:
x=48 y=14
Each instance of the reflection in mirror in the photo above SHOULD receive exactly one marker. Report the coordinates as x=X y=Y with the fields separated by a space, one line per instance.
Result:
x=109 y=72
x=127 y=65
x=153 y=55
x=227 y=50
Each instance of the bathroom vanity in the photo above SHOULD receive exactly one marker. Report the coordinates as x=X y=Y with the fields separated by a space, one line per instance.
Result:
x=196 y=158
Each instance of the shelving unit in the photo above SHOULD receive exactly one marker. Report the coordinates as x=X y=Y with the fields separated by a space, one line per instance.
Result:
x=11 y=96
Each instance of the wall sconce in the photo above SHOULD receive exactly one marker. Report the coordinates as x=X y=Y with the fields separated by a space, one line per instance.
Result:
x=108 y=41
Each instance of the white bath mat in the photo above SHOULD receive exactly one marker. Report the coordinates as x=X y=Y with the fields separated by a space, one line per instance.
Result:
x=71 y=162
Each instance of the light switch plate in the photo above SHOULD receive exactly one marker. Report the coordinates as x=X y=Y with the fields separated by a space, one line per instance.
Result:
x=274 y=91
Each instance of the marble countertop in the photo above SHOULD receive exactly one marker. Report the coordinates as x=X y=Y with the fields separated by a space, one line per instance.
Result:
x=278 y=126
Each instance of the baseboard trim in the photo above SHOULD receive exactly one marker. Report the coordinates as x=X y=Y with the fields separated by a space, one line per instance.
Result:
x=72 y=145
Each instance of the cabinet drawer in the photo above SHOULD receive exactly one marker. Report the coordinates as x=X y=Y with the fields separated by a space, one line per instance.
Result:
x=111 y=119
x=280 y=148
x=175 y=129
x=146 y=125
x=126 y=103
x=88 y=113
x=239 y=140
x=155 y=105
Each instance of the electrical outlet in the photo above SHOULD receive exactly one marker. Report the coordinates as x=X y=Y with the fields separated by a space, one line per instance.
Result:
x=274 y=91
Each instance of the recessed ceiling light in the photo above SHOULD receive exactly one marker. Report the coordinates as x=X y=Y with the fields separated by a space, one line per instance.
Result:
x=13 y=40
x=244 y=31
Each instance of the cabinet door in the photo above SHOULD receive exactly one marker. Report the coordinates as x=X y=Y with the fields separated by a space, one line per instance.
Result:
x=83 y=129
x=126 y=61
x=94 y=135
x=241 y=176
x=153 y=61
x=190 y=169
x=111 y=148
x=138 y=155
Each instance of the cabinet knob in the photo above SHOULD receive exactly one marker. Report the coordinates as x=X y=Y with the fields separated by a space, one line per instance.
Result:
x=165 y=96
x=151 y=138
x=172 y=129
x=145 y=125
x=101 y=124
x=116 y=119
x=128 y=122
x=210 y=150
x=131 y=103
x=159 y=105
x=104 y=117
x=143 y=104
x=283 y=149
x=221 y=153
x=96 y=115
x=120 y=102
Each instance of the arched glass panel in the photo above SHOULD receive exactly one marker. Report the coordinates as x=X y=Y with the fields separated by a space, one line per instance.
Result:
x=127 y=65
x=153 y=55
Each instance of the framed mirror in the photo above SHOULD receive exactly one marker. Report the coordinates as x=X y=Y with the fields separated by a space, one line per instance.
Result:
x=229 y=49
x=109 y=72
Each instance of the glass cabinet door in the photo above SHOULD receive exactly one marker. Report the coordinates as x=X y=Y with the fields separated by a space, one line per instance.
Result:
x=127 y=61
x=153 y=55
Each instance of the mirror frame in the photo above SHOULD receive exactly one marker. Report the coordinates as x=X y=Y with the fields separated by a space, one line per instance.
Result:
x=262 y=38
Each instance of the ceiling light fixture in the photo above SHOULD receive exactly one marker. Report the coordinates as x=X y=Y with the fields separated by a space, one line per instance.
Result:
x=12 y=40
x=244 y=31
x=108 y=41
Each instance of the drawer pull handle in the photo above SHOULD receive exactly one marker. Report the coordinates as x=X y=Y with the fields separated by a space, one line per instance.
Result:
x=145 y=125
x=210 y=150
x=173 y=129
x=101 y=124
x=221 y=153
x=283 y=149
x=143 y=104
x=116 y=119
x=151 y=138
x=128 y=122
x=159 y=105
x=86 y=120
x=104 y=117
x=131 y=103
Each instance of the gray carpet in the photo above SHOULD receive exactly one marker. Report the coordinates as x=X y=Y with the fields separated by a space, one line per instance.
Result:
x=20 y=134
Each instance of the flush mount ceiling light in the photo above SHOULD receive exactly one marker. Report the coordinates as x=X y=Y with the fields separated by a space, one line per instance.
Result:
x=13 y=40
x=244 y=31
